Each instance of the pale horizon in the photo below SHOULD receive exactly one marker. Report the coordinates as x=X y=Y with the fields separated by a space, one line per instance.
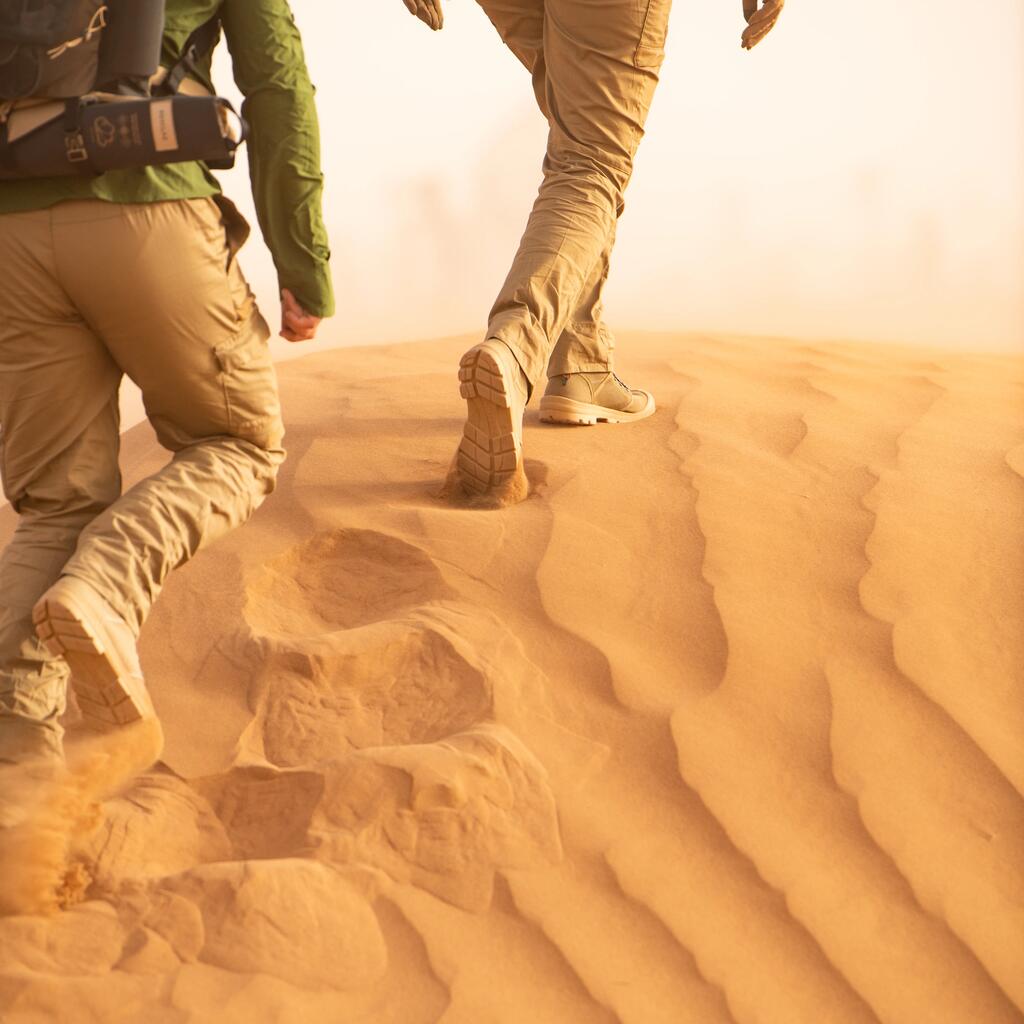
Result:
x=851 y=178
x=839 y=182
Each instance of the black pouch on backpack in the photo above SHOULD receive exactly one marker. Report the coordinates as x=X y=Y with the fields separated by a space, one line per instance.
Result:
x=122 y=134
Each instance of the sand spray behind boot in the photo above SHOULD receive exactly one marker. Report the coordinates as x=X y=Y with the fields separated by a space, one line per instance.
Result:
x=46 y=807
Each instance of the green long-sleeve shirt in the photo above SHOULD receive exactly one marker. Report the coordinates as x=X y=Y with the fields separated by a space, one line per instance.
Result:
x=284 y=145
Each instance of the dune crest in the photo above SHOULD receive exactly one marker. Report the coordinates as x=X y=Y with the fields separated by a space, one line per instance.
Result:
x=721 y=724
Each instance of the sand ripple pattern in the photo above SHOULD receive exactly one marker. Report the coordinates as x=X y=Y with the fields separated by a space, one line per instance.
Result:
x=721 y=726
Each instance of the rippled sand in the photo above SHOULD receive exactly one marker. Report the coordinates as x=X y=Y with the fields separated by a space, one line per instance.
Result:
x=723 y=723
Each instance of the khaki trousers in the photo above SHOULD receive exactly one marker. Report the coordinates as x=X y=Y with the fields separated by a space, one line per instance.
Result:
x=90 y=291
x=595 y=68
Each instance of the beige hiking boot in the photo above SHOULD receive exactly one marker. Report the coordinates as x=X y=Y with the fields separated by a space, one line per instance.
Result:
x=99 y=646
x=496 y=391
x=589 y=398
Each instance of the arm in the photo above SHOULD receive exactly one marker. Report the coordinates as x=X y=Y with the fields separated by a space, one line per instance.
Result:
x=284 y=155
x=759 y=22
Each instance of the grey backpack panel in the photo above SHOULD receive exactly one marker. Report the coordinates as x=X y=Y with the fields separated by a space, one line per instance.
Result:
x=50 y=48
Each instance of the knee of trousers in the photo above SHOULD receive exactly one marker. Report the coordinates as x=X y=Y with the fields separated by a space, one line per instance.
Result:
x=33 y=683
x=37 y=696
x=70 y=493
x=46 y=535
x=257 y=458
x=24 y=739
x=71 y=512
x=261 y=443
x=595 y=173
x=271 y=465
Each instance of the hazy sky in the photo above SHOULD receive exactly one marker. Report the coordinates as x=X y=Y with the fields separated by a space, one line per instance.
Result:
x=859 y=175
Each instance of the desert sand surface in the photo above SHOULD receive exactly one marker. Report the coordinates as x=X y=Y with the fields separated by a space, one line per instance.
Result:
x=722 y=724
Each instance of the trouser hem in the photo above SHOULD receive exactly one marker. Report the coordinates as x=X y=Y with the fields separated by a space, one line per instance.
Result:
x=527 y=343
x=576 y=366
x=132 y=610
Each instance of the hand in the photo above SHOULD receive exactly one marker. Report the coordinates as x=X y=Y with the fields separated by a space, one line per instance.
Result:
x=759 y=22
x=428 y=11
x=296 y=323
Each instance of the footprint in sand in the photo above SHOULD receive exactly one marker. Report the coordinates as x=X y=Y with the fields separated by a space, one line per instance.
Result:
x=373 y=740
x=341 y=579
x=396 y=682
x=358 y=647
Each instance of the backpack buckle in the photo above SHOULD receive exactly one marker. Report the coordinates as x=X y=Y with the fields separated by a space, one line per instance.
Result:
x=74 y=148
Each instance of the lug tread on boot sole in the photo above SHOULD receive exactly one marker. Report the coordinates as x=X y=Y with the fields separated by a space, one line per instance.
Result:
x=488 y=453
x=99 y=689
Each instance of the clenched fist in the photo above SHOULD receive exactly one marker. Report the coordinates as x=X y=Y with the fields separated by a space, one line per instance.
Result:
x=759 y=22
x=296 y=323
x=428 y=11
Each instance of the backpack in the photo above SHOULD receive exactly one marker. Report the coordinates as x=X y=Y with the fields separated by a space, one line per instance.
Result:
x=82 y=92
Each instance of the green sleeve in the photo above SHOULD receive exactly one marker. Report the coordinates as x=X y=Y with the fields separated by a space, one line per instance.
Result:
x=284 y=145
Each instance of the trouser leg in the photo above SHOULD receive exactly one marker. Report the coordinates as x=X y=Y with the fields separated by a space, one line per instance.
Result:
x=520 y=23
x=600 y=69
x=176 y=314
x=585 y=344
x=58 y=457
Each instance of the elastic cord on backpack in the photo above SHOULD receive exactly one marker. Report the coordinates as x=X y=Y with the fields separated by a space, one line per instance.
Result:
x=97 y=23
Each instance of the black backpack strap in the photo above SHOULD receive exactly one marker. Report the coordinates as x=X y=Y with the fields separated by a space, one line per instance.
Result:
x=198 y=45
x=74 y=140
x=7 y=161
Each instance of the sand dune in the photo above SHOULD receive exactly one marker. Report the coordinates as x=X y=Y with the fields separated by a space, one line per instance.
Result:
x=722 y=724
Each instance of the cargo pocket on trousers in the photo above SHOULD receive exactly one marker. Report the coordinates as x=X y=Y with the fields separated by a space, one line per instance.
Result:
x=650 y=52
x=250 y=385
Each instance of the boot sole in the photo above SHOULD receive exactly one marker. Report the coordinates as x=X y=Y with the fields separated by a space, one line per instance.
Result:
x=108 y=693
x=489 y=453
x=566 y=410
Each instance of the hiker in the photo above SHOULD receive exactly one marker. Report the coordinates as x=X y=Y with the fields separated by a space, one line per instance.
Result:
x=134 y=272
x=595 y=69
